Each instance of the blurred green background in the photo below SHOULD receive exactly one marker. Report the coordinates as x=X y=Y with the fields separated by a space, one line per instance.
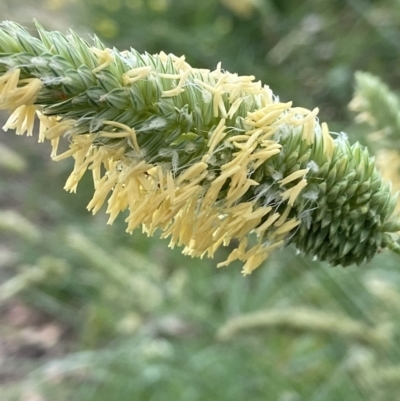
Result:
x=88 y=312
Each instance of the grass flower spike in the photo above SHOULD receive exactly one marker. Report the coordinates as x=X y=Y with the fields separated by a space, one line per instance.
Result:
x=379 y=109
x=208 y=158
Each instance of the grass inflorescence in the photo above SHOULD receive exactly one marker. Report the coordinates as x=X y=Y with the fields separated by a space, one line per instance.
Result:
x=209 y=158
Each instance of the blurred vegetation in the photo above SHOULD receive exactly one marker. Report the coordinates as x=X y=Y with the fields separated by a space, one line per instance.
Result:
x=137 y=320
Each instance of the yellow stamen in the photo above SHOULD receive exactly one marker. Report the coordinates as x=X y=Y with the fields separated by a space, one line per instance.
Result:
x=309 y=115
x=293 y=176
x=286 y=227
x=179 y=89
x=283 y=217
x=127 y=130
x=329 y=145
x=234 y=107
x=105 y=58
x=192 y=172
x=22 y=120
x=268 y=223
x=294 y=192
x=135 y=74
x=255 y=259
x=216 y=136
x=170 y=186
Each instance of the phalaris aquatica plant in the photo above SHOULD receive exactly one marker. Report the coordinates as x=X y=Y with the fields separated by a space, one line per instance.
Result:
x=209 y=158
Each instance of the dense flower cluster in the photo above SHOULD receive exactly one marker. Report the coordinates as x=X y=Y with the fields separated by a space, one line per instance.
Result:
x=209 y=158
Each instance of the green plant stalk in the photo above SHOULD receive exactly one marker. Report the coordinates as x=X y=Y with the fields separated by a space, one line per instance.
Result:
x=46 y=269
x=13 y=222
x=207 y=157
x=306 y=319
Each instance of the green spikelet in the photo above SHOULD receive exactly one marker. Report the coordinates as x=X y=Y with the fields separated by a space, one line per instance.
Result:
x=207 y=157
